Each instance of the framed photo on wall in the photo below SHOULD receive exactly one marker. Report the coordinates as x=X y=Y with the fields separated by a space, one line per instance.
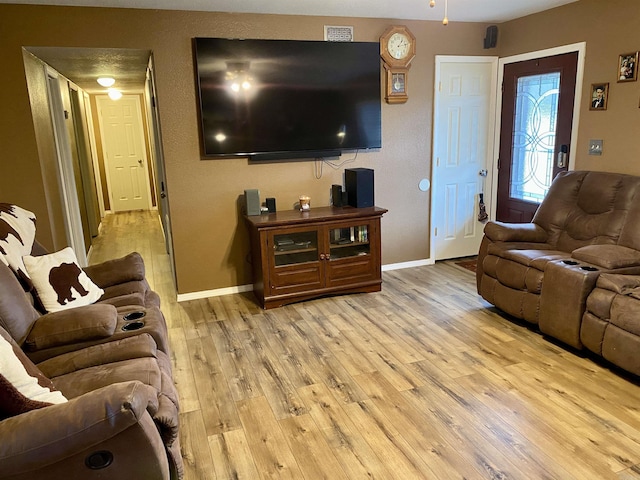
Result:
x=628 y=67
x=599 y=96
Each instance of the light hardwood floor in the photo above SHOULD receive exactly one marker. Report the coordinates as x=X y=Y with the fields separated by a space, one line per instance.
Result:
x=423 y=380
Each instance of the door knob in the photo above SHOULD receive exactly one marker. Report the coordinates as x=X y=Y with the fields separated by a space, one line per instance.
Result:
x=140 y=161
x=483 y=172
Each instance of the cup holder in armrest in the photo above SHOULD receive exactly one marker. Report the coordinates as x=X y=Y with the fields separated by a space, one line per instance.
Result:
x=569 y=262
x=133 y=316
x=127 y=327
x=586 y=268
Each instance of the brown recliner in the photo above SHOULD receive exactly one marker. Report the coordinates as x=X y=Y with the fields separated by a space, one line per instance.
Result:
x=543 y=271
x=121 y=420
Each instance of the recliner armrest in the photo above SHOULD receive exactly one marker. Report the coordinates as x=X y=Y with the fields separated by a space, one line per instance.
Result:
x=39 y=438
x=610 y=257
x=138 y=346
x=116 y=271
x=70 y=326
x=515 y=232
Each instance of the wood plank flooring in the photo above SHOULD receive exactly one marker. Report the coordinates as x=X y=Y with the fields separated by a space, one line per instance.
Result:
x=423 y=380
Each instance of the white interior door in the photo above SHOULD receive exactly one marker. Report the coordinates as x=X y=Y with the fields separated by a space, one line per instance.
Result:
x=124 y=150
x=464 y=118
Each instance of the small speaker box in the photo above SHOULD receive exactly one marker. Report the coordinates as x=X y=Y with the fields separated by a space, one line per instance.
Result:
x=491 y=38
x=271 y=204
x=336 y=196
x=359 y=186
x=252 y=201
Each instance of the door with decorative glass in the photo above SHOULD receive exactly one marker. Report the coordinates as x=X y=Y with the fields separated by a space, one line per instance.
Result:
x=537 y=114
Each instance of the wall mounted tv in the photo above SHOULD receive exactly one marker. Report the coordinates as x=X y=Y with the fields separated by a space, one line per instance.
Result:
x=284 y=99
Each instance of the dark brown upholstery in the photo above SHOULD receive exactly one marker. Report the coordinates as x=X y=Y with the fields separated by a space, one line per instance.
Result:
x=119 y=383
x=543 y=272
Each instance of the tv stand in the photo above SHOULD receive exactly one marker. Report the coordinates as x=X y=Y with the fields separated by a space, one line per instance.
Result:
x=327 y=250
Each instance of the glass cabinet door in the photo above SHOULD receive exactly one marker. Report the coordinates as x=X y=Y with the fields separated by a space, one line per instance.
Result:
x=295 y=247
x=349 y=242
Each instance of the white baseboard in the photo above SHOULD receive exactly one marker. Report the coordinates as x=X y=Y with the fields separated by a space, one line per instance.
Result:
x=412 y=264
x=185 y=297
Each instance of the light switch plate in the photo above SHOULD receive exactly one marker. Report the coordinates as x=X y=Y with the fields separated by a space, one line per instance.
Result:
x=595 y=147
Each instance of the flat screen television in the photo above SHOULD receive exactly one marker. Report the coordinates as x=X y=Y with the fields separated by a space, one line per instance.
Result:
x=284 y=99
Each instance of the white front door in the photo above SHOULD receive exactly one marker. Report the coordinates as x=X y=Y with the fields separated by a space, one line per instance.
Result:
x=124 y=151
x=464 y=117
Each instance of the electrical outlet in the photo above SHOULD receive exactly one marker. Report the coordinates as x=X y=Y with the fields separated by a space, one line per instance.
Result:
x=595 y=147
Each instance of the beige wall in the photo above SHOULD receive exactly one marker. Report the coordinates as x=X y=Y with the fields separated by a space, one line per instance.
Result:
x=609 y=28
x=210 y=241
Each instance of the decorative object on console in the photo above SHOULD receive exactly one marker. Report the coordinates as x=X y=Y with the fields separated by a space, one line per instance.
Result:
x=270 y=203
x=397 y=49
x=60 y=282
x=305 y=202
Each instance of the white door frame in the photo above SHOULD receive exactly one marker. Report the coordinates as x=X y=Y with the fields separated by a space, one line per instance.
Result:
x=143 y=140
x=581 y=48
x=66 y=177
x=490 y=133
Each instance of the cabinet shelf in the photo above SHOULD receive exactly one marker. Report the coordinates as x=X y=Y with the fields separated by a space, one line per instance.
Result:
x=284 y=273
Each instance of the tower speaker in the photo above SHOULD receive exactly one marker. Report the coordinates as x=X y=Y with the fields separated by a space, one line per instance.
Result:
x=336 y=196
x=271 y=204
x=359 y=186
x=491 y=38
x=252 y=201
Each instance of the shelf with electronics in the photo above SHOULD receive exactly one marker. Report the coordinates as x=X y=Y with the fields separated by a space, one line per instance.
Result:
x=397 y=50
x=326 y=250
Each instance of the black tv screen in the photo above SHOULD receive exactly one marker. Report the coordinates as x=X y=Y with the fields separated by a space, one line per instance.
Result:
x=288 y=99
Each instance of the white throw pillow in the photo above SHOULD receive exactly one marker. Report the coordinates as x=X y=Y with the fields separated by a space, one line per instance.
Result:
x=60 y=282
x=12 y=368
x=17 y=233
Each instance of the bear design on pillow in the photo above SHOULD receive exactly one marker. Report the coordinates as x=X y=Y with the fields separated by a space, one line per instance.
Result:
x=65 y=277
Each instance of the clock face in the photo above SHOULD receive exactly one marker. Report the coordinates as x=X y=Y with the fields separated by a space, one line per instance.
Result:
x=398 y=45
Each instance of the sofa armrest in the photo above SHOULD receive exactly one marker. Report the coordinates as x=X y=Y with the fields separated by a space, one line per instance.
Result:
x=620 y=284
x=70 y=326
x=40 y=438
x=137 y=346
x=116 y=271
x=610 y=257
x=515 y=232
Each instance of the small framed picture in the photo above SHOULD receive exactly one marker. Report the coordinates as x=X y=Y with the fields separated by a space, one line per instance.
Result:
x=628 y=67
x=599 y=96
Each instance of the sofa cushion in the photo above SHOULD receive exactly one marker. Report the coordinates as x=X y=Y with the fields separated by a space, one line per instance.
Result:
x=17 y=233
x=23 y=387
x=608 y=256
x=59 y=281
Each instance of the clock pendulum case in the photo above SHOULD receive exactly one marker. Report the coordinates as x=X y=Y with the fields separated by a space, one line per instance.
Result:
x=397 y=49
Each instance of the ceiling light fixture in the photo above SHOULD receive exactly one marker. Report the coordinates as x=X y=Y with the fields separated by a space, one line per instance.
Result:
x=106 y=81
x=445 y=20
x=114 y=94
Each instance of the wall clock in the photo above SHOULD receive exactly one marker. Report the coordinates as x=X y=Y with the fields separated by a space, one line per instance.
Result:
x=397 y=49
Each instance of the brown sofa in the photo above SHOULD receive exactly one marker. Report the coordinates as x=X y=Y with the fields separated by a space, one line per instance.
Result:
x=611 y=322
x=121 y=420
x=542 y=272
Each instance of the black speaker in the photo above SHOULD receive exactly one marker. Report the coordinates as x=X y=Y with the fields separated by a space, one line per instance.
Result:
x=270 y=202
x=336 y=196
x=491 y=38
x=359 y=186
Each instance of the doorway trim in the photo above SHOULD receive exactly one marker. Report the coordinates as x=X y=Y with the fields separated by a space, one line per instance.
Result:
x=581 y=48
